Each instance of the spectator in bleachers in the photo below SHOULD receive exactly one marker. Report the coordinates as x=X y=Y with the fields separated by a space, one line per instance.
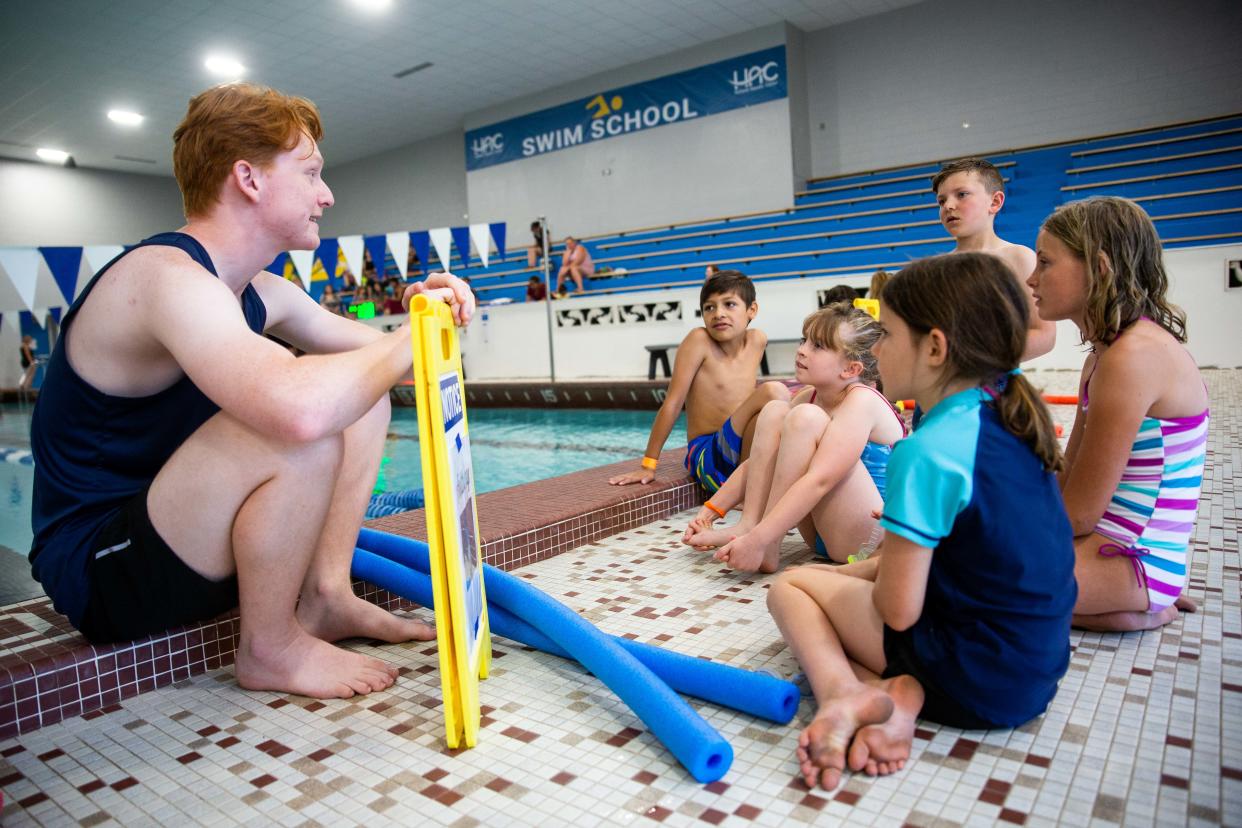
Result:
x=29 y=365
x=710 y=271
x=392 y=301
x=576 y=264
x=970 y=193
x=878 y=279
x=330 y=300
x=534 y=253
x=536 y=290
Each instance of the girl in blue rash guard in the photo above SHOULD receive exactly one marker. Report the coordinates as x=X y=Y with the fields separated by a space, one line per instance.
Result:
x=964 y=619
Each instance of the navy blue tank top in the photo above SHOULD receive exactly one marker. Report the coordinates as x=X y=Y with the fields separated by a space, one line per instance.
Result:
x=94 y=451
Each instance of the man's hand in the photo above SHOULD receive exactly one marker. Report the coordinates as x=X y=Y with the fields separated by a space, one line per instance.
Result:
x=447 y=287
x=643 y=476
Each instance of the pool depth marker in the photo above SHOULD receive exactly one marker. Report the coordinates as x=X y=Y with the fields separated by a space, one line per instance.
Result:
x=462 y=632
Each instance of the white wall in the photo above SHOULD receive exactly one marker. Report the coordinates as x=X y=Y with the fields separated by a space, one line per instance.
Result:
x=514 y=343
x=895 y=88
x=48 y=206
x=413 y=187
x=734 y=162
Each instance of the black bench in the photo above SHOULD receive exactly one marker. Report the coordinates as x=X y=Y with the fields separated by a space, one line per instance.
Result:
x=658 y=354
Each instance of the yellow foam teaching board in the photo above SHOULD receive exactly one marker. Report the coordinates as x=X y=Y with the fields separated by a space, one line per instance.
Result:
x=462 y=630
x=871 y=306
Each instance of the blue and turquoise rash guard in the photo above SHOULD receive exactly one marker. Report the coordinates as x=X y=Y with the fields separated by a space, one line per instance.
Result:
x=94 y=451
x=994 y=632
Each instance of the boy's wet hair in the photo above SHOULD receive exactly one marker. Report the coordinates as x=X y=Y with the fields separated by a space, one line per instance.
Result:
x=838 y=293
x=234 y=122
x=728 y=281
x=1134 y=283
x=986 y=170
x=848 y=330
x=974 y=300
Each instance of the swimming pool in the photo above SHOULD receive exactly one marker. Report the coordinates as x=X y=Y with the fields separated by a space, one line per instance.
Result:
x=508 y=446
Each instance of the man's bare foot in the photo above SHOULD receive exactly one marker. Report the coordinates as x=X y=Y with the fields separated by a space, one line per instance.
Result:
x=343 y=614
x=1126 y=621
x=881 y=749
x=822 y=746
x=309 y=667
x=715 y=538
x=1185 y=603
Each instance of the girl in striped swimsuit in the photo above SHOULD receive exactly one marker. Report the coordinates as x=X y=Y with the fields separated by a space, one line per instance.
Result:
x=1135 y=459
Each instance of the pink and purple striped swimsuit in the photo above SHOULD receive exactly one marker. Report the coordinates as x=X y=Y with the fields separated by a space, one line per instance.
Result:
x=1151 y=516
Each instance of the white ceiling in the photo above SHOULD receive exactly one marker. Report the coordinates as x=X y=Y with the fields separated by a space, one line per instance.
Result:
x=64 y=63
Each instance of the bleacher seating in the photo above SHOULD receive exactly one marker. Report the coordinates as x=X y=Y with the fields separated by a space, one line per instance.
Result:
x=1187 y=176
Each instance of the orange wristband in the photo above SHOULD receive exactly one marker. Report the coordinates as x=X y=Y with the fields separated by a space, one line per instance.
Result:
x=650 y=463
x=714 y=508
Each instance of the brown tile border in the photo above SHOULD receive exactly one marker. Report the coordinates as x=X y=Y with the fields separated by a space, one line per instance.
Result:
x=49 y=672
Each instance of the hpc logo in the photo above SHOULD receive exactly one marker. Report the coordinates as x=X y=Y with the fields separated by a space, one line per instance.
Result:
x=755 y=77
x=488 y=145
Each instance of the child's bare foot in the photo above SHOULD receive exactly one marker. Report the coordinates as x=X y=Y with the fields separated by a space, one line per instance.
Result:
x=881 y=749
x=340 y=615
x=1126 y=621
x=309 y=666
x=1185 y=603
x=822 y=746
x=715 y=538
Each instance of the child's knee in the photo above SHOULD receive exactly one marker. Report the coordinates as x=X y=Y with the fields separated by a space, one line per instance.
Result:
x=774 y=410
x=774 y=391
x=806 y=417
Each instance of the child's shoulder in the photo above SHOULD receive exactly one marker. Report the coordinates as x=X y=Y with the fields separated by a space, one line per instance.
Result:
x=1019 y=257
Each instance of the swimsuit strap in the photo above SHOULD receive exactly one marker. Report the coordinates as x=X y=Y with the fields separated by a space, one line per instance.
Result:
x=1115 y=550
x=896 y=414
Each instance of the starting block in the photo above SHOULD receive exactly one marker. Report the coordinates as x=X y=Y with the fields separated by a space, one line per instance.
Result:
x=462 y=631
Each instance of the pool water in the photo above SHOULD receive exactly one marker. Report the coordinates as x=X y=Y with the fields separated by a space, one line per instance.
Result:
x=508 y=446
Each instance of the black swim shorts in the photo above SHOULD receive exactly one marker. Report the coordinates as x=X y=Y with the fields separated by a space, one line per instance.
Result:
x=938 y=706
x=137 y=586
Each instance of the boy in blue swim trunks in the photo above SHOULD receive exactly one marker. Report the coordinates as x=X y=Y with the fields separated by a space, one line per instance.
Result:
x=714 y=378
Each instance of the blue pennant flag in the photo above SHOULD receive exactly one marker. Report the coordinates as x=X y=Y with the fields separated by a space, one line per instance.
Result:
x=64 y=263
x=327 y=257
x=461 y=238
x=376 y=246
x=421 y=241
x=498 y=236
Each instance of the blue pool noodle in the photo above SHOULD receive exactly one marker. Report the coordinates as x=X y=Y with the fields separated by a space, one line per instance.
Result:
x=699 y=748
x=758 y=694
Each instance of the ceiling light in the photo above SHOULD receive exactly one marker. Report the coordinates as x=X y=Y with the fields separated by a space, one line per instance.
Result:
x=224 y=66
x=374 y=6
x=965 y=125
x=52 y=156
x=125 y=117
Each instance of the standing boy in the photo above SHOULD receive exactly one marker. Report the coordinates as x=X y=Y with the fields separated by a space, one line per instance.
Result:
x=970 y=193
x=185 y=463
x=714 y=377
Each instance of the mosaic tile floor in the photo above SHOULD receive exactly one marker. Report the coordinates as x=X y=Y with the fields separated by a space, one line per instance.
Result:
x=1146 y=728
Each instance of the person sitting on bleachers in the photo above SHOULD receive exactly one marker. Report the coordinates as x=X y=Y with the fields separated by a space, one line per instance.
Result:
x=535 y=252
x=536 y=290
x=576 y=264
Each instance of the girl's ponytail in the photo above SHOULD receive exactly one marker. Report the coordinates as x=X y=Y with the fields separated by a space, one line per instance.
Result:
x=1023 y=414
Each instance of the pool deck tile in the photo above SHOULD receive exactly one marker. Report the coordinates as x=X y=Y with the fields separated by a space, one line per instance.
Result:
x=1146 y=728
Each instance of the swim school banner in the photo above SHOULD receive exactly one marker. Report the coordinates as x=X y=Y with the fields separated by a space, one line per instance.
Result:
x=708 y=90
